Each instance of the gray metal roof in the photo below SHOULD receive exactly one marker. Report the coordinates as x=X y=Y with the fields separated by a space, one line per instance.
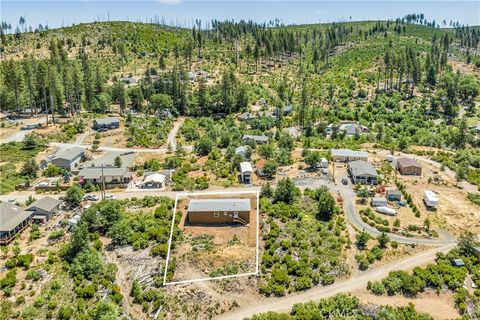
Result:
x=350 y=128
x=107 y=121
x=362 y=168
x=70 y=154
x=11 y=216
x=46 y=203
x=96 y=172
x=210 y=205
x=246 y=167
x=241 y=149
x=256 y=138
x=349 y=153
x=246 y=116
x=394 y=192
x=458 y=262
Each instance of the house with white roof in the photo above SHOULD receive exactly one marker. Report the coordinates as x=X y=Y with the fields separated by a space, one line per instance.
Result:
x=246 y=171
x=153 y=181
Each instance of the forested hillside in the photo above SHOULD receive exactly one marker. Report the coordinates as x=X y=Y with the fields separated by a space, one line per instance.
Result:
x=408 y=81
x=184 y=102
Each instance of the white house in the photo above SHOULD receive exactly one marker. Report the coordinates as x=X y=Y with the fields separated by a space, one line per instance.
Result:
x=246 y=171
x=155 y=180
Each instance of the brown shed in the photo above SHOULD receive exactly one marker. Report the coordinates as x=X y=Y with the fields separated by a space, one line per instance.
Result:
x=409 y=166
x=219 y=211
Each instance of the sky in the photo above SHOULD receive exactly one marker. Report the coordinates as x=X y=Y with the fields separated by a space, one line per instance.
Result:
x=58 y=13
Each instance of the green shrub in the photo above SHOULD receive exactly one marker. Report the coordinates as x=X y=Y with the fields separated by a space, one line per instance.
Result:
x=376 y=287
x=33 y=274
x=65 y=312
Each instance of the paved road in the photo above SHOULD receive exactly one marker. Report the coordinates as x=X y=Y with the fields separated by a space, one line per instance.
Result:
x=354 y=283
x=353 y=216
x=21 y=197
x=345 y=191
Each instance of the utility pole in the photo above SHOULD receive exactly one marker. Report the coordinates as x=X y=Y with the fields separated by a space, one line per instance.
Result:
x=333 y=175
x=103 y=184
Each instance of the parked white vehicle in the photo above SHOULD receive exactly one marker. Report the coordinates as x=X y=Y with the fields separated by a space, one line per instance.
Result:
x=386 y=210
x=110 y=197
x=91 y=197
x=323 y=163
x=430 y=198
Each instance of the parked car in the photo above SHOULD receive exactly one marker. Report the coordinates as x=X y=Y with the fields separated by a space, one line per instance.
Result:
x=110 y=197
x=325 y=171
x=401 y=203
x=345 y=181
x=91 y=197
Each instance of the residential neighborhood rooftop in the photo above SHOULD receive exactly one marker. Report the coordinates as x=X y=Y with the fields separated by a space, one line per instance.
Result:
x=362 y=168
x=246 y=167
x=394 y=192
x=156 y=177
x=96 y=172
x=11 y=216
x=46 y=203
x=408 y=162
x=256 y=138
x=202 y=205
x=70 y=153
x=348 y=153
x=106 y=121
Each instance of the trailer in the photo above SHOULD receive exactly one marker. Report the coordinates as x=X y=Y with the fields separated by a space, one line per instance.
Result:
x=430 y=199
x=379 y=202
x=386 y=210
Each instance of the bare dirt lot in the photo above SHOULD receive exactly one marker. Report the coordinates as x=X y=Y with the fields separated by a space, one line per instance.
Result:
x=439 y=306
x=455 y=212
x=215 y=250
x=112 y=138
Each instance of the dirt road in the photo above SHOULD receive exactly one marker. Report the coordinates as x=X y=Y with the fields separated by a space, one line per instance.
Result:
x=171 y=140
x=357 y=282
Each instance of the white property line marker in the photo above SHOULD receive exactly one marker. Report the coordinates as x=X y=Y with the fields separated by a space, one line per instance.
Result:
x=165 y=283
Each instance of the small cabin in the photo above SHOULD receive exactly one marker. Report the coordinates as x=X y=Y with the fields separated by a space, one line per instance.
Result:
x=219 y=211
x=394 y=195
x=246 y=171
